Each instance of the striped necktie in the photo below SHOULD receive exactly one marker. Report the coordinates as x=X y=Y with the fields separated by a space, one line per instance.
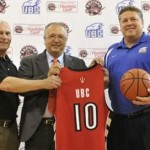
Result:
x=52 y=95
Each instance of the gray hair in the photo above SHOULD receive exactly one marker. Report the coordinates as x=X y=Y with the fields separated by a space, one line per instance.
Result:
x=55 y=24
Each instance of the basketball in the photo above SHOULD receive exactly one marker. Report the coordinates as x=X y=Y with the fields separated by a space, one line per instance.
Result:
x=135 y=82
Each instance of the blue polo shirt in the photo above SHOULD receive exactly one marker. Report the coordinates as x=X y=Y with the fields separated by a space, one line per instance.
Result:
x=118 y=59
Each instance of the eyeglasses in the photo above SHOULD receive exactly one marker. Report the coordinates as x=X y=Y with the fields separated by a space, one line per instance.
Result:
x=59 y=37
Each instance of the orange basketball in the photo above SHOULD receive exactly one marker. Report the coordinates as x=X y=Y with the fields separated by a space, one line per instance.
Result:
x=135 y=82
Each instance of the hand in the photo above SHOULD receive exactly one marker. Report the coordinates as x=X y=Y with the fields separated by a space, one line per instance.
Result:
x=100 y=61
x=97 y=60
x=54 y=69
x=142 y=100
x=52 y=82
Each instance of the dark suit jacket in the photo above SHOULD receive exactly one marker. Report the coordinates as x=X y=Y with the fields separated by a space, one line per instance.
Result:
x=36 y=67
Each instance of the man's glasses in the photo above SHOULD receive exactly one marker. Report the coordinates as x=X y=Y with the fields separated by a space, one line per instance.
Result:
x=59 y=37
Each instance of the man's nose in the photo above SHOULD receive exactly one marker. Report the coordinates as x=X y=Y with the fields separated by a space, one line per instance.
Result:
x=56 y=39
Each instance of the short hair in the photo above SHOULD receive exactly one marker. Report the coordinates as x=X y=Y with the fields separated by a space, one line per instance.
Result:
x=55 y=23
x=133 y=9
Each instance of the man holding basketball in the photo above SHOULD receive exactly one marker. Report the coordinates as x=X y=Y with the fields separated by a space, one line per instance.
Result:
x=130 y=126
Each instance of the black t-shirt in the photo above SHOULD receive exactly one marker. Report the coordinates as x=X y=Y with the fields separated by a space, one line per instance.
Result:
x=8 y=101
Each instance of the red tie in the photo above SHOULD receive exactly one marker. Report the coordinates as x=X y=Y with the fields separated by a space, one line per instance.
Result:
x=52 y=95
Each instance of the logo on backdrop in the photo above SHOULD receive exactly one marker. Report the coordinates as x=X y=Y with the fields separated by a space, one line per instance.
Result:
x=94 y=31
x=90 y=53
x=68 y=50
x=83 y=53
x=27 y=51
x=18 y=29
x=94 y=7
x=115 y=30
x=145 y=5
x=51 y=7
x=123 y=4
x=3 y=6
x=66 y=6
x=29 y=29
x=31 y=7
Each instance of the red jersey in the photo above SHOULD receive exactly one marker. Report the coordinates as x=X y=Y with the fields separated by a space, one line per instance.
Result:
x=81 y=110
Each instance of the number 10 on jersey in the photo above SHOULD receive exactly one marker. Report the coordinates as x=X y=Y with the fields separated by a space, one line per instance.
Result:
x=88 y=114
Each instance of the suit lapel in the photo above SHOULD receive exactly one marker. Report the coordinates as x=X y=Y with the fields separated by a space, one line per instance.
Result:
x=67 y=61
x=42 y=62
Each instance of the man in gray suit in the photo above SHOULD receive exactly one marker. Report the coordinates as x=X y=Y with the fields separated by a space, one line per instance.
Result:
x=10 y=85
x=36 y=127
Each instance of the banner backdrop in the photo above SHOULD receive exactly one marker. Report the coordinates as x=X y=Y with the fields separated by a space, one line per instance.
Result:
x=92 y=25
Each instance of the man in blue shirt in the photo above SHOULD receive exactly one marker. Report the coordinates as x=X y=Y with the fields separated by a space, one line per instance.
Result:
x=130 y=126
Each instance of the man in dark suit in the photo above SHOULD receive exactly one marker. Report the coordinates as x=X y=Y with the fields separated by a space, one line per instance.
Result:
x=10 y=86
x=36 y=127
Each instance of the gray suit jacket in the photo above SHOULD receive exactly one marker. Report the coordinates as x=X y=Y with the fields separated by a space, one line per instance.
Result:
x=36 y=67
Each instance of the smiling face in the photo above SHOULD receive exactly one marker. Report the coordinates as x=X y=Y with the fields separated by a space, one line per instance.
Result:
x=5 y=37
x=131 y=25
x=55 y=39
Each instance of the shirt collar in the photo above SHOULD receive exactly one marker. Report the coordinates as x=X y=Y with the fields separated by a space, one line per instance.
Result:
x=50 y=58
x=143 y=38
x=4 y=58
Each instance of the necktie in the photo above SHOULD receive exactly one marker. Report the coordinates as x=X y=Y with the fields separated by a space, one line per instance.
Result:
x=52 y=95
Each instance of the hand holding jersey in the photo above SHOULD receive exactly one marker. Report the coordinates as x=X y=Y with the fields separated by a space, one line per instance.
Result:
x=97 y=60
x=100 y=61
x=54 y=69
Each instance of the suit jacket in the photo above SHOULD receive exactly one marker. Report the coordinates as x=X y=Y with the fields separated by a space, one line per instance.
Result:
x=36 y=67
